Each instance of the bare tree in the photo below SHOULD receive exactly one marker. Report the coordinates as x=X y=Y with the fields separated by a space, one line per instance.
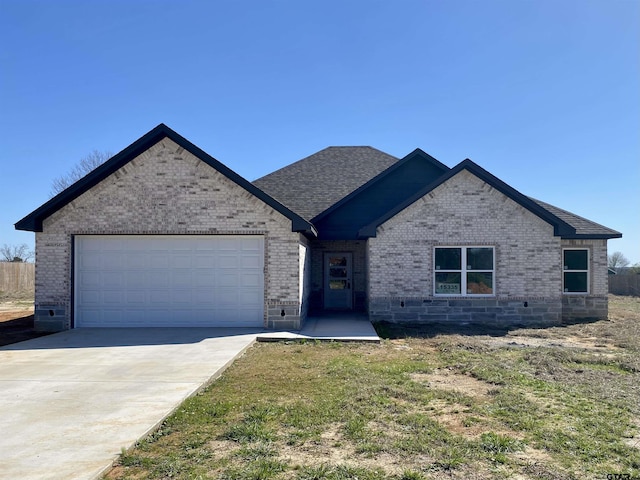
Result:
x=84 y=166
x=15 y=253
x=617 y=260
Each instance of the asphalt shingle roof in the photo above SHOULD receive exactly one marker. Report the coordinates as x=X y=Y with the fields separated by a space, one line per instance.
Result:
x=582 y=225
x=313 y=184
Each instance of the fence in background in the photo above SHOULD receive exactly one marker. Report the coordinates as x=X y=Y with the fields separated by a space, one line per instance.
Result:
x=624 y=285
x=17 y=277
x=20 y=277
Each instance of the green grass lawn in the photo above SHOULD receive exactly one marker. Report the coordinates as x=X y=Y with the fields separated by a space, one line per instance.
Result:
x=558 y=403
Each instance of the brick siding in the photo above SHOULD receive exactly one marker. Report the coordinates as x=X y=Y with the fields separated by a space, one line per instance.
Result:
x=596 y=303
x=166 y=190
x=465 y=211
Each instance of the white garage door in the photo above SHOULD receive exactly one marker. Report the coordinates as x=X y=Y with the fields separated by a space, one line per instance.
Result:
x=169 y=281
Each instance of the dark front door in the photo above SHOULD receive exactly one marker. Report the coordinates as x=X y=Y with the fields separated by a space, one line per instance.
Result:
x=338 y=292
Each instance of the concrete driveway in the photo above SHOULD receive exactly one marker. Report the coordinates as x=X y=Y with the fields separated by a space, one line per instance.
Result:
x=71 y=401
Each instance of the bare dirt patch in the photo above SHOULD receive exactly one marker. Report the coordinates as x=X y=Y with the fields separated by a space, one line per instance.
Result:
x=458 y=420
x=555 y=403
x=222 y=448
x=569 y=341
x=9 y=310
x=620 y=330
x=444 y=379
x=333 y=449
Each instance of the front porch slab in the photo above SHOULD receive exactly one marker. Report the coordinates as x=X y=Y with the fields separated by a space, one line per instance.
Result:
x=334 y=326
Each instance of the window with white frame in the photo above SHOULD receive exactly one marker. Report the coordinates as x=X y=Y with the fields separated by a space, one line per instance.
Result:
x=575 y=275
x=464 y=271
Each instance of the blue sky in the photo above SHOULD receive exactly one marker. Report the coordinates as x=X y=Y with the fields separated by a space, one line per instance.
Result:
x=544 y=94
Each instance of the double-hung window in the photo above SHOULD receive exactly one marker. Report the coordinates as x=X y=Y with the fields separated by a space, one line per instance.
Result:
x=575 y=275
x=464 y=271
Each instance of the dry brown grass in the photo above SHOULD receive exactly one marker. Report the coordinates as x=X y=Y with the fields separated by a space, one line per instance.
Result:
x=558 y=403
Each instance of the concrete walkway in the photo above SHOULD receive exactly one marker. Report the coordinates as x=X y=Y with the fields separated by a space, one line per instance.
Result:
x=71 y=401
x=338 y=326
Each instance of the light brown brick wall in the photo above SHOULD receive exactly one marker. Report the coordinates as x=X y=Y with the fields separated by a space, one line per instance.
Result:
x=166 y=190
x=596 y=303
x=465 y=211
x=528 y=257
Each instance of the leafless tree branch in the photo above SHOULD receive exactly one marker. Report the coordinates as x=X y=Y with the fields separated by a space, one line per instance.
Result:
x=16 y=253
x=617 y=260
x=86 y=164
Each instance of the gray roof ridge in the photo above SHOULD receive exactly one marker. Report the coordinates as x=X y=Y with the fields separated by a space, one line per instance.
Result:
x=298 y=162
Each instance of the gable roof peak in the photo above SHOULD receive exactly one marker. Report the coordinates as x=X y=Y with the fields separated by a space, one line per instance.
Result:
x=418 y=151
x=561 y=228
x=428 y=165
x=33 y=221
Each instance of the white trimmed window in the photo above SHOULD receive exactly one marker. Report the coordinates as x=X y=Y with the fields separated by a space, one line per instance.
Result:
x=575 y=274
x=464 y=271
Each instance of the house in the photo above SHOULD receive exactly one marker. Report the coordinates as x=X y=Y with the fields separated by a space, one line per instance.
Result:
x=163 y=234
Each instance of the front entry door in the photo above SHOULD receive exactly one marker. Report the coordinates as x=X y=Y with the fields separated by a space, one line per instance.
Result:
x=337 y=281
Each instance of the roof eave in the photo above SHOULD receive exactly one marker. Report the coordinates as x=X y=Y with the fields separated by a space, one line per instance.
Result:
x=33 y=221
x=592 y=236
x=302 y=226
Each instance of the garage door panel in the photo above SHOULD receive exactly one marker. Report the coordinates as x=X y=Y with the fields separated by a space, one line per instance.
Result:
x=204 y=277
x=135 y=316
x=251 y=261
x=228 y=296
x=203 y=298
x=181 y=261
x=88 y=260
x=113 y=298
x=203 y=245
x=227 y=260
x=228 y=279
x=113 y=279
x=136 y=298
x=89 y=297
x=202 y=260
x=159 y=298
x=182 y=278
x=133 y=278
x=251 y=243
x=158 y=279
x=180 y=245
x=247 y=295
x=242 y=316
x=225 y=244
x=115 y=260
x=159 y=244
x=133 y=243
x=93 y=316
x=250 y=279
x=132 y=260
x=90 y=279
x=227 y=314
x=157 y=260
x=169 y=281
